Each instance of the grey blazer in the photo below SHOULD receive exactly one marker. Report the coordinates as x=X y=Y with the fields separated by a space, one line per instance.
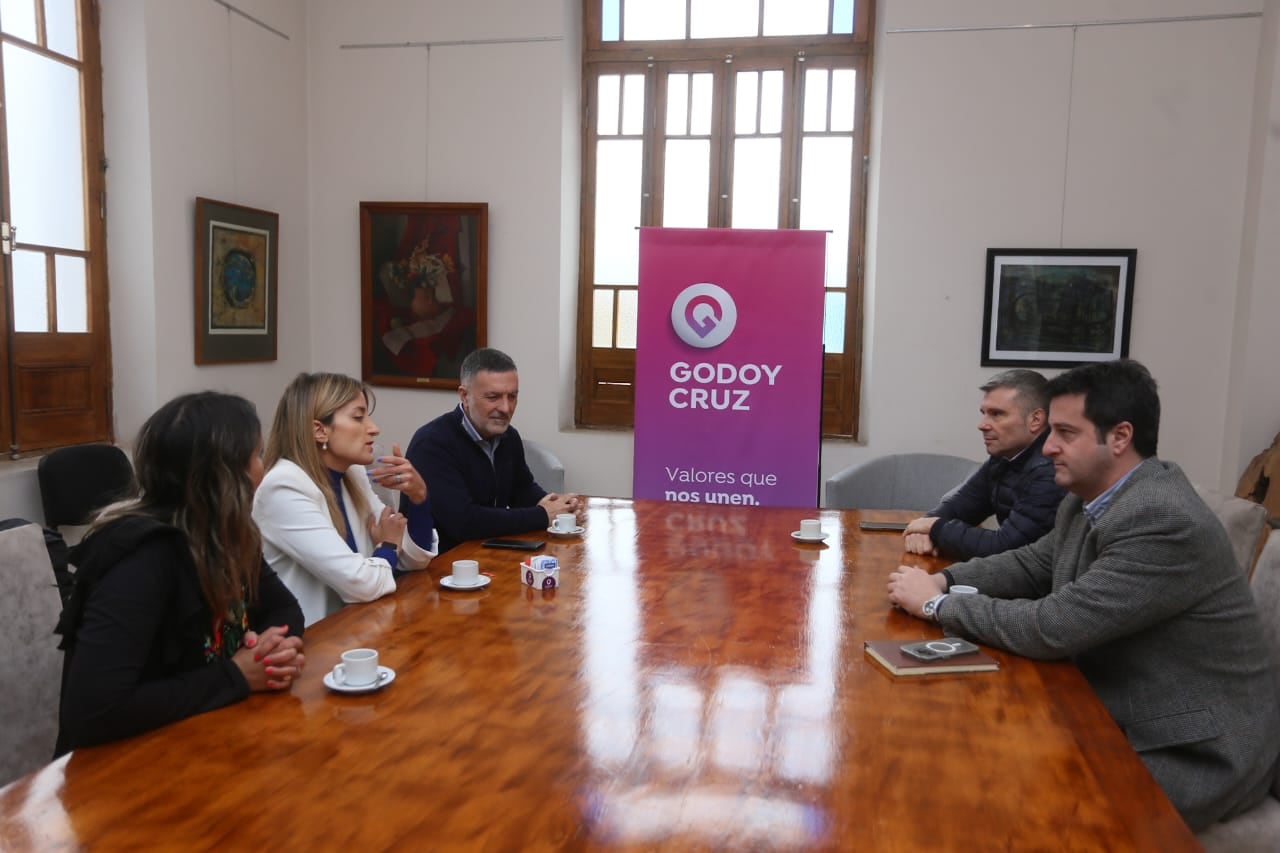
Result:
x=1152 y=607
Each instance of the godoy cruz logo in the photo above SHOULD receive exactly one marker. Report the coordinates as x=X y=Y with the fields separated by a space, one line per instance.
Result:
x=704 y=315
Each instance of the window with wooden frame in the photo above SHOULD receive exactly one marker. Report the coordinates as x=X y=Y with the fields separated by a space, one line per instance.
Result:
x=55 y=367
x=721 y=114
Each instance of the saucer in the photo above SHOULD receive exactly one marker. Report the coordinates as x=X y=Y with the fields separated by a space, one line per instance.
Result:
x=480 y=583
x=386 y=675
x=795 y=534
x=577 y=531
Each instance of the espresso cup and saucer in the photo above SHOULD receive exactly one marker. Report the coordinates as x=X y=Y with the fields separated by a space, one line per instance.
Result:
x=565 y=524
x=359 y=672
x=810 y=531
x=466 y=575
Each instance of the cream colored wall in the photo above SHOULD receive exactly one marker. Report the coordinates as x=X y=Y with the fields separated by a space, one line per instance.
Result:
x=1156 y=136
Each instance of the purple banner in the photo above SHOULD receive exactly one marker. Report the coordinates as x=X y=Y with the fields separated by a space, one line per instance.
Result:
x=729 y=366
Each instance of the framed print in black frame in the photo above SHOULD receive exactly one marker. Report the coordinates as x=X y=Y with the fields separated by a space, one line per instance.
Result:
x=1057 y=307
x=237 y=251
x=423 y=281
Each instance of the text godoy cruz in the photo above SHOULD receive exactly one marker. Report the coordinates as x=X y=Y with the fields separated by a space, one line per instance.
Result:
x=721 y=377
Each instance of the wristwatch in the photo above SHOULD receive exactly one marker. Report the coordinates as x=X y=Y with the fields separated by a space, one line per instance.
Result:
x=931 y=606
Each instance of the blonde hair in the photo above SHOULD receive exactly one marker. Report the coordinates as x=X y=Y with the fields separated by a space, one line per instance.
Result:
x=313 y=397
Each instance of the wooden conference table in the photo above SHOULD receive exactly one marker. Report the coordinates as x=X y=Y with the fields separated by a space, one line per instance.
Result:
x=697 y=682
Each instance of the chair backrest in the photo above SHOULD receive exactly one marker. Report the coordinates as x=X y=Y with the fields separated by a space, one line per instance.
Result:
x=547 y=468
x=915 y=481
x=1243 y=520
x=1265 y=584
x=31 y=664
x=76 y=482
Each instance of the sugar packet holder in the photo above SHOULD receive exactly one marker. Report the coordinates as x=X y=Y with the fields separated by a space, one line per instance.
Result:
x=540 y=572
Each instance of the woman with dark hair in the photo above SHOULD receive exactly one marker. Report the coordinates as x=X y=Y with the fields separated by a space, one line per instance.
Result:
x=174 y=612
x=324 y=529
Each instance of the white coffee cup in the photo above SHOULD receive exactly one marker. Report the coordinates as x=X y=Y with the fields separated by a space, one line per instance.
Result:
x=810 y=528
x=358 y=668
x=961 y=589
x=566 y=522
x=466 y=572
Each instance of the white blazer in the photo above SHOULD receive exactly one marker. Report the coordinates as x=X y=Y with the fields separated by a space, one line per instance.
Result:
x=313 y=559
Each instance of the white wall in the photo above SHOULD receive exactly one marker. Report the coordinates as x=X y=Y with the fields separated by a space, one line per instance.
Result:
x=199 y=101
x=1158 y=136
x=1130 y=136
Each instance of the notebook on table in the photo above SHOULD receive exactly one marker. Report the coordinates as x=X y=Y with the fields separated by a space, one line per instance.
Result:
x=889 y=654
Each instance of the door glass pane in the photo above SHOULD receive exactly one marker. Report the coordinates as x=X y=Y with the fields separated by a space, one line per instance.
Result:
x=19 y=18
x=608 y=104
x=617 y=249
x=609 y=21
x=633 y=104
x=652 y=19
x=826 y=173
x=686 y=183
x=833 y=323
x=30 y=292
x=815 y=100
x=61 y=26
x=744 y=108
x=602 y=318
x=844 y=94
x=723 y=18
x=700 y=114
x=842 y=17
x=794 y=17
x=756 y=170
x=677 y=104
x=71 y=293
x=627 y=319
x=42 y=119
x=771 y=102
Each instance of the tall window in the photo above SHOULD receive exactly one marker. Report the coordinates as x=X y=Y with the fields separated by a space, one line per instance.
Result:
x=55 y=366
x=724 y=114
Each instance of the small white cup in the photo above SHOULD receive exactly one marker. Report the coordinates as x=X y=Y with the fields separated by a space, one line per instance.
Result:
x=566 y=522
x=358 y=668
x=466 y=572
x=810 y=528
x=961 y=589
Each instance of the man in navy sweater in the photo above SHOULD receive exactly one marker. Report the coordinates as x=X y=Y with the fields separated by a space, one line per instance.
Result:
x=1015 y=484
x=473 y=460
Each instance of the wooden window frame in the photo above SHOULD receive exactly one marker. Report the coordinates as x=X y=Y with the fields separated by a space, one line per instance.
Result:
x=606 y=375
x=55 y=388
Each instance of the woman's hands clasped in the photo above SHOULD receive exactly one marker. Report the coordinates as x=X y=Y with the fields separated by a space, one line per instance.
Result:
x=396 y=472
x=270 y=660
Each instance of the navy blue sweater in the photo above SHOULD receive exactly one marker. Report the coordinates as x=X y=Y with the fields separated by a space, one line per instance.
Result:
x=1021 y=495
x=470 y=498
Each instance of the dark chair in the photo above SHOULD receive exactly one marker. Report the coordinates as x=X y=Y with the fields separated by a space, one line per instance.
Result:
x=76 y=482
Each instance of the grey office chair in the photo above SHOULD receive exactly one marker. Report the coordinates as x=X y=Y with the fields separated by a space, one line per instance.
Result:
x=547 y=468
x=915 y=481
x=31 y=665
x=1243 y=520
x=1259 y=828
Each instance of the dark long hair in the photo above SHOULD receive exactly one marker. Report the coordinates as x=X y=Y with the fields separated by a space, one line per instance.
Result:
x=192 y=462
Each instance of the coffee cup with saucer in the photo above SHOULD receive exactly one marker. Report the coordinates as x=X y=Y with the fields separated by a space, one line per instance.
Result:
x=565 y=524
x=359 y=672
x=810 y=531
x=466 y=575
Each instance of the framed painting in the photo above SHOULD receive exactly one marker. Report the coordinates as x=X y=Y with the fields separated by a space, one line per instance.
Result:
x=1057 y=307
x=237 y=251
x=423 y=276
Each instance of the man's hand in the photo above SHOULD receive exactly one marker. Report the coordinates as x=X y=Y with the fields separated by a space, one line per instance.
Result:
x=910 y=588
x=916 y=539
x=554 y=504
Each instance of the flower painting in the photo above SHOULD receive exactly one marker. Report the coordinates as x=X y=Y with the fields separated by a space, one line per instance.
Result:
x=423 y=289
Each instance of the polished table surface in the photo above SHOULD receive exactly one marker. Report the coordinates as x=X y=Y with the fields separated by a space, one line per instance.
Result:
x=697 y=682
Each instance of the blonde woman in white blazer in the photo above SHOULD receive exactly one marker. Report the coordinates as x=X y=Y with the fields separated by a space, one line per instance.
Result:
x=324 y=530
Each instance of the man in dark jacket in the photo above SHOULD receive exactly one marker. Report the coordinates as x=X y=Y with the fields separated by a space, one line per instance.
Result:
x=1015 y=484
x=473 y=460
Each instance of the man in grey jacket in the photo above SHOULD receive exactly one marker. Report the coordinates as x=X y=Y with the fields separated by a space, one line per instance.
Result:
x=1137 y=584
